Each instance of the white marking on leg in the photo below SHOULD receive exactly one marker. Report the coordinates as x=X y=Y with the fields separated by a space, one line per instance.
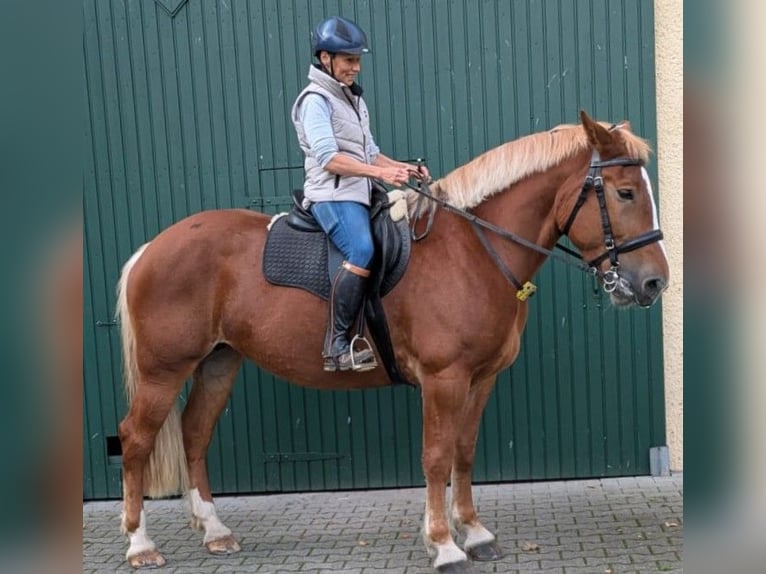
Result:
x=204 y=512
x=655 y=219
x=446 y=553
x=475 y=535
x=139 y=540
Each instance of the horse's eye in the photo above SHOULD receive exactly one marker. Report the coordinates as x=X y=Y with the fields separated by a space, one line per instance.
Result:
x=626 y=194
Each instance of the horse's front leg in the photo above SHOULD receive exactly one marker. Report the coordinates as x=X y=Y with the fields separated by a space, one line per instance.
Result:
x=213 y=380
x=443 y=400
x=479 y=542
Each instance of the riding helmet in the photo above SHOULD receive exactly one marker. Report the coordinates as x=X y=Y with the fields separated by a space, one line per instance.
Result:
x=338 y=35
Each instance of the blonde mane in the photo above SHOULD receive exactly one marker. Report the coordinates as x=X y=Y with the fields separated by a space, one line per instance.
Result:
x=497 y=169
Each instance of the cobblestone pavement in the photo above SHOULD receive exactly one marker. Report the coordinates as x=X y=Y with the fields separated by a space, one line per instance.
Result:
x=604 y=526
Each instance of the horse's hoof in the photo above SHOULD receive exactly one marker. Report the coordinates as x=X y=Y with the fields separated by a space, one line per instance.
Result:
x=485 y=552
x=455 y=568
x=223 y=546
x=146 y=559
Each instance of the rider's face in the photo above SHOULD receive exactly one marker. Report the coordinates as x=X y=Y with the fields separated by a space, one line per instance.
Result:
x=345 y=67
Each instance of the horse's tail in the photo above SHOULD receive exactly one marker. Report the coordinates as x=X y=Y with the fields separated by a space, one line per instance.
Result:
x=166 y=472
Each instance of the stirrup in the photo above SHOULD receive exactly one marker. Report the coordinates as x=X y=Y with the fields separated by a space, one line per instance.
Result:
x=360 y=359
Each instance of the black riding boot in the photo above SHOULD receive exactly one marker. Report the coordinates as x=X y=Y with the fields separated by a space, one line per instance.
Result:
x=346 y=298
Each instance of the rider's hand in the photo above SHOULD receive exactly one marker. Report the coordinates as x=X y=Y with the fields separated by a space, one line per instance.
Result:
x=396 y=176
x=422 y=174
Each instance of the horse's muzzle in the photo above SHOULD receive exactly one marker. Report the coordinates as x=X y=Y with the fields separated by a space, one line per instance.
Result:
x=642 y=291
x=651 y=289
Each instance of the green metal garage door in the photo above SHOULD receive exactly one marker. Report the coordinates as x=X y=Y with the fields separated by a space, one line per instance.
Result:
x=188 y=109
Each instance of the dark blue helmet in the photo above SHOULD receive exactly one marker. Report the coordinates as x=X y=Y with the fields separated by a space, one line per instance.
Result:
x=338 y=35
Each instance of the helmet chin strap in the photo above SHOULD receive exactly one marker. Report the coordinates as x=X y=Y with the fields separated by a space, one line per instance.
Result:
x=332 y=71
x=329 y=71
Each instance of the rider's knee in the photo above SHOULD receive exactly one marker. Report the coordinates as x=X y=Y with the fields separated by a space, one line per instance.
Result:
x=362 y=253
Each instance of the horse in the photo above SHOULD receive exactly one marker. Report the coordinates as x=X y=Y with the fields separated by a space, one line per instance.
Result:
x=193 y=302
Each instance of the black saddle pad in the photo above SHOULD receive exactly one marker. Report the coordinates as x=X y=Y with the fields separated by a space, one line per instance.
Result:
x=295 y=258
x=308 y=259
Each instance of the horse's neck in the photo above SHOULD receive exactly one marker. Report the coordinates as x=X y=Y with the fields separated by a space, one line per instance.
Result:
x=528 y=209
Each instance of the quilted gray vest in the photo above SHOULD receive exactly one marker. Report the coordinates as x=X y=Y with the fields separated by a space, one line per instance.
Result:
x=351 y=126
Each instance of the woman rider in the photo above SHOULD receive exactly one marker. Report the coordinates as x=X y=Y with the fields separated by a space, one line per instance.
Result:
x=341 y=158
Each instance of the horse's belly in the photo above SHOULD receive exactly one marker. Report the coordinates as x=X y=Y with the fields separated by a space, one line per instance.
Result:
x=285 y=336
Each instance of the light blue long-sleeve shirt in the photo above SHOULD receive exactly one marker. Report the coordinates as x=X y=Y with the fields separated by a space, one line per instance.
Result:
x=315 y=116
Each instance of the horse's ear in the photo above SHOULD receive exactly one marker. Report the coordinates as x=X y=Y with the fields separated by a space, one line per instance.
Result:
x=598 y=136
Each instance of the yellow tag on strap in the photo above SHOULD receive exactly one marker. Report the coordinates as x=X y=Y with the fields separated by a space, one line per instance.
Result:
x=526 y=291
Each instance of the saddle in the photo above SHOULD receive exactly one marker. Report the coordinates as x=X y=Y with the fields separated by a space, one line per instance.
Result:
x=299 y=254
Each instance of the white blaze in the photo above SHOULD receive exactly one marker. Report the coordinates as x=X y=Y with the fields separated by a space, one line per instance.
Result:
x=655 y=219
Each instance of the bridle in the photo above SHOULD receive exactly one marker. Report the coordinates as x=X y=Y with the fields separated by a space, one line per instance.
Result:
x=595 y=181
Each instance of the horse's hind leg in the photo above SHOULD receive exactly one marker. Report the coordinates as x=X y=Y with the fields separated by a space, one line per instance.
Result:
x=152 y=403
x=479 y=542
x=213 y=380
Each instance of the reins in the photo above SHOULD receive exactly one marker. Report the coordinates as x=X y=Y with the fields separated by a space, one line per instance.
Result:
x=593 y=180
x=525 y=290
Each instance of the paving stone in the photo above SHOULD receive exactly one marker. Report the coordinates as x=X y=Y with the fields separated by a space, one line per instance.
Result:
x=575 y=554
x=579 y=526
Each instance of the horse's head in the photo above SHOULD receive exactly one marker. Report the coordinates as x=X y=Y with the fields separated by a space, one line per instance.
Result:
x=612 y=216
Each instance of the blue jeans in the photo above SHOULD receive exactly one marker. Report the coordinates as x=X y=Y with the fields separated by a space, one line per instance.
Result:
x=348 y=225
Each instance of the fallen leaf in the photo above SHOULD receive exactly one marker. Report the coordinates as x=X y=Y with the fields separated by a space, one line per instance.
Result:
x=363 y=543
x=608 y=571
x=530 y=547
x=672 y=524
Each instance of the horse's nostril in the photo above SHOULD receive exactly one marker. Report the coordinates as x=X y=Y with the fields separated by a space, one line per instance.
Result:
x=654 y=286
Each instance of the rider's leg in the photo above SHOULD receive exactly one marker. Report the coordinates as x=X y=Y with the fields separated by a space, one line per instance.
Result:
x=348 y=226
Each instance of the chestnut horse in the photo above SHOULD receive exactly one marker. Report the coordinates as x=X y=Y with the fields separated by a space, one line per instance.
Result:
x=193 y=303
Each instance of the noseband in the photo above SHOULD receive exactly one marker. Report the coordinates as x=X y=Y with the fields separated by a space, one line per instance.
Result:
x=594 y=180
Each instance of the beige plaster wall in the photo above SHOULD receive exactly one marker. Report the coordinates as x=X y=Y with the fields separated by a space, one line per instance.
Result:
x=669 y=34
